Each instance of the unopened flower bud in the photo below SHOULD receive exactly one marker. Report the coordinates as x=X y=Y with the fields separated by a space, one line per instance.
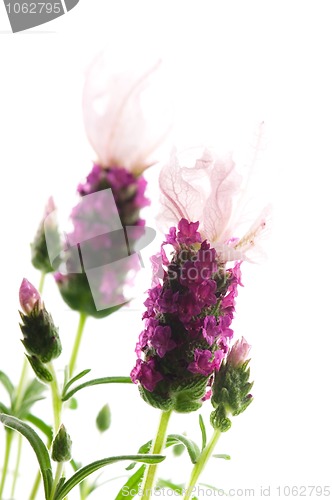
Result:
x=238 y=355
x=40 y=246
x=103 y=420
x=231 y=387
x=29 y=297
x=41 y=338
x=61 y=446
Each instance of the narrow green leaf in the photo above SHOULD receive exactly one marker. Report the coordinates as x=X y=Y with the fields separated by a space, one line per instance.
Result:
x=163 y=483
x=84 y=472
x=41 y=425
x=8 y=385
x=32 y=394
x=38 y=447
x=225 y=457
x=34 y=388
x=4 y=409
x=203 y=431
x=59 y=485
x=74 y=379
x=97 y=381
x=131 y=487
x=145 y=448
x=193 y=450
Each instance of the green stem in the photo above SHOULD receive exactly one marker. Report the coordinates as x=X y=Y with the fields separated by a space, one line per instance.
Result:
x=77 y=344
x=156 y=448
x=41 y=283
x=58 y=475
x=9 y=437
x=17 y=465
x=56 y=399
x=200 y=464
x=35 y=487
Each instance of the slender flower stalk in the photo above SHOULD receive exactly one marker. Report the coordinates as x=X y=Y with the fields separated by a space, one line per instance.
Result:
x=77 y=343
x=156 y=448
x=9 y=439
x=200 y=465
x=56 y=398
x=17 y=465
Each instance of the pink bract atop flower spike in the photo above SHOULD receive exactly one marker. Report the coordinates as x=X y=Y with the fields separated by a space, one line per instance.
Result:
x=29 y=297
x=125 y=112
x=208 y=192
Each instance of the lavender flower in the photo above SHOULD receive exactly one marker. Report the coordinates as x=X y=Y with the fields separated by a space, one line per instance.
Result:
x=187 y=322
x=95 y=215
x=117 y=125
x=126 y=113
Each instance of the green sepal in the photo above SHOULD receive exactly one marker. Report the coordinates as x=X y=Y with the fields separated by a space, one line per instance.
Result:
x=41 y=337
x=183 y=397
x=40 y=369
x=160 y=401
x=219 y=419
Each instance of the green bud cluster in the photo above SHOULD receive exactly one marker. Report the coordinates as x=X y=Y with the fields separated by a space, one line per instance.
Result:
x=230 y=393
x=41 y=340
x=61 y=446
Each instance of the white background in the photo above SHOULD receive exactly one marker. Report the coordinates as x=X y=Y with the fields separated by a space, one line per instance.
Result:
x=232 y=66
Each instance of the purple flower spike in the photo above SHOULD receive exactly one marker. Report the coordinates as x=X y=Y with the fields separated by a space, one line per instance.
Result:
x=188 y=315
x=29 y=297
